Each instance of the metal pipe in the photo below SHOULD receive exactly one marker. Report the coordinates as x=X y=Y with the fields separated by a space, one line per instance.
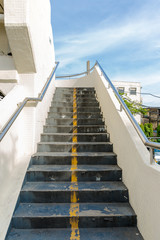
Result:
x=78 y=74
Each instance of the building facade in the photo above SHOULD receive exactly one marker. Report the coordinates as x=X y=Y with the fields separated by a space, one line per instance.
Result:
x=132 y=91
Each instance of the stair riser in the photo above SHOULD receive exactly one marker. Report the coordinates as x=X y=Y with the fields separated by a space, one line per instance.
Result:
x=67 y=104
x=64 y=222
x=79 y=148
x=79 y=91
x=86 y=115
x=82 y=160
x=65 y=197
x=82 y=138
x=81 y=176
x=79 y=110
x=70 y=98
x=52 y=121
x=52 y=129
x=79 y=100
x=78 y=95
x=130 y=233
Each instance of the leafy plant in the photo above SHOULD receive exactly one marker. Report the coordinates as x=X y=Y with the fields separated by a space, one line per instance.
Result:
x=158 y=131
x=147 y=128
x=134 y=107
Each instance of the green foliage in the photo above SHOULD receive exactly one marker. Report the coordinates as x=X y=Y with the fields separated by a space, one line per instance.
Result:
x=142 y=127
x=158 y=131
x=134 y=107
x=147 y=128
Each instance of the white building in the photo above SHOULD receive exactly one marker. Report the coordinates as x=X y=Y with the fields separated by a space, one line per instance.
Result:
x=133 y=92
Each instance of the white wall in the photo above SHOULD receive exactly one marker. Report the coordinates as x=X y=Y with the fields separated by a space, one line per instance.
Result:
x=29 y=32
x=4 y=46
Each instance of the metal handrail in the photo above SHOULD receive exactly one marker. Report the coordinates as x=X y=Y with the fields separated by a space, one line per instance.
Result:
x=147 y=143
x=78 y=74
x=19 y=109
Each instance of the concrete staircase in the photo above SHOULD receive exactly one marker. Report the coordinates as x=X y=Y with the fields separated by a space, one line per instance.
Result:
x=73 y=188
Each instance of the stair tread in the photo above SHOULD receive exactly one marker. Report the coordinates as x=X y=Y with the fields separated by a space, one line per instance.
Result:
x=71 y=126
x=65 y=186
x=99 y=118
x=73 y=143
x=77 y=134
x=87 y=112
x=63 y=154
x=110 y=233
x=54 y=168
x=38 y=210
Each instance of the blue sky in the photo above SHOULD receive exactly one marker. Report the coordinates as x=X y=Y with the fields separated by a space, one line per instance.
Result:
x=123 y=35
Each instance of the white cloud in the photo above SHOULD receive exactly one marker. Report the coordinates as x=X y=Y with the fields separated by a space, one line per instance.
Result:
x=99 y=40
x=145 y=80
x=140 y=34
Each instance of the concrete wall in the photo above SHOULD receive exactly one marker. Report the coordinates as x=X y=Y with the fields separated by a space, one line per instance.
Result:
x=29 y=34
x=4 y=45
x=17 y=147
x=141 y=178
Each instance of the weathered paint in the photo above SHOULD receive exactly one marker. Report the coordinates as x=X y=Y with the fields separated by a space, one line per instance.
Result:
x=74 y=208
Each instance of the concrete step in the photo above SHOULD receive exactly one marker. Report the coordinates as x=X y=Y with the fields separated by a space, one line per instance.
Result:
x=113 y=233
x=54 y=158
x=81 y=137
x=69 y=98
x=78 y=93
x=72 y=88
x=79 y=109
x=81 y=90
x=69 y=121
x=85 y=115
x=57 y=215
x=70 y=129
x=80 y=147
x=83 y=173
x=52 y=192
x=78 y=99
x=60 y=95
x=70 y=104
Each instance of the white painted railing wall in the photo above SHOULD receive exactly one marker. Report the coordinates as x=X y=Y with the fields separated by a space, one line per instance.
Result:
x=17 y=147
x=29 y=33
x=141 y=178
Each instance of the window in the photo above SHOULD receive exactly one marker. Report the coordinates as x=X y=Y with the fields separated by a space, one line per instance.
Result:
x=120 y=89
x=133 y=91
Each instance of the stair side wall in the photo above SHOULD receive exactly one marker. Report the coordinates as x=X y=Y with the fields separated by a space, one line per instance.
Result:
x=21 y=140
x=141 y=178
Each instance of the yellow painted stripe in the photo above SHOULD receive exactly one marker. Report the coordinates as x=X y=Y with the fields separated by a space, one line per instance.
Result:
x=74 y=207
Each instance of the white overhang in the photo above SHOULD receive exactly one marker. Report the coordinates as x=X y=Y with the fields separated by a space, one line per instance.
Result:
x=9 y=76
